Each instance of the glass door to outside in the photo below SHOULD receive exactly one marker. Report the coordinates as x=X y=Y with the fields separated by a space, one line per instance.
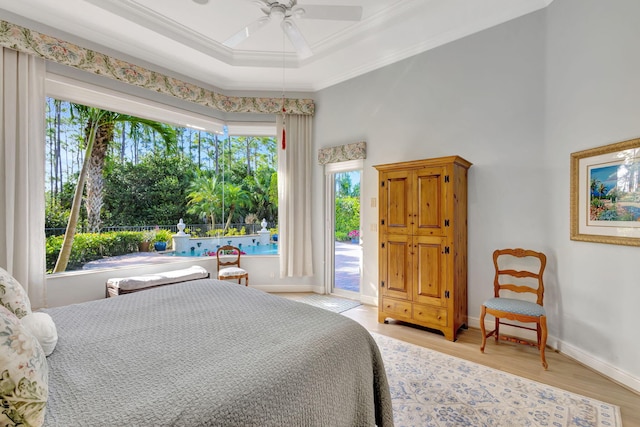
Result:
x=347 y=251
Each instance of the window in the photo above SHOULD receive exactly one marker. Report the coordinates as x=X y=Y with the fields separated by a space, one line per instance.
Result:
x=152 y=165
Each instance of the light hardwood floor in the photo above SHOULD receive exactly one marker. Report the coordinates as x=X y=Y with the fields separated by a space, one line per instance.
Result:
x=517 y=359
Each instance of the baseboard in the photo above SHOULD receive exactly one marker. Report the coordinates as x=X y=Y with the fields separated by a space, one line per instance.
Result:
x=604 y=368
x=368 y=300
x=608 y=370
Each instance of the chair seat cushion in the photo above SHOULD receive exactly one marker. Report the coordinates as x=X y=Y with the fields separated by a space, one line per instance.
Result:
x=231 y=272
x=511 y=305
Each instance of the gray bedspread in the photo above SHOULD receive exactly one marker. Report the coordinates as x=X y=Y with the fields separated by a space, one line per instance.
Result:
x=211 y=353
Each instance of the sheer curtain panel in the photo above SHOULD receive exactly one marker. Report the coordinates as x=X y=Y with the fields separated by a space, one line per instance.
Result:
x=294 y=196
x=22 y=169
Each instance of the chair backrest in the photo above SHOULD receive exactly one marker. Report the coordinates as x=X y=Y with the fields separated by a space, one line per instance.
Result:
x=528 y=270
x=228 y=255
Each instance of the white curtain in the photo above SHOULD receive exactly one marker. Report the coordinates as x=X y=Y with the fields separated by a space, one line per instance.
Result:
x=22 y=171
x=294 y=196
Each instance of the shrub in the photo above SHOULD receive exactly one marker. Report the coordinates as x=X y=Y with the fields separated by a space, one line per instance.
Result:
x=147 y=236
x=232 y=231
x=216 y=232
x=341 y=236
x=163 y=236
x=347 y=214
x=193 y=232
x=91 y=246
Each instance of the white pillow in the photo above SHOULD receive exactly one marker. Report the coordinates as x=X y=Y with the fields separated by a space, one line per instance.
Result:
x=24 y=374
x=13 y=296
x=42 y=327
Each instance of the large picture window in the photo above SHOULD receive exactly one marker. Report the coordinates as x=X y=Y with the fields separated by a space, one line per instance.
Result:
x=143 y=173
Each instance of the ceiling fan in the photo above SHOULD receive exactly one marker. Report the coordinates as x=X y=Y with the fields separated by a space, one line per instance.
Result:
x=286 y=12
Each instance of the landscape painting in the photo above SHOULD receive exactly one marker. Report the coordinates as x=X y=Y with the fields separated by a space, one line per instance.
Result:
x=605 y=194
x=613 y=192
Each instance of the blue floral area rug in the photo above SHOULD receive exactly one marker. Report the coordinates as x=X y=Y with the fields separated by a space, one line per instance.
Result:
x=429 y=388
x=328 y=302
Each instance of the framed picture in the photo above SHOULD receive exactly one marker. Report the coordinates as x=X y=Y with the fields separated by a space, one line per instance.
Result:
x=605 y=194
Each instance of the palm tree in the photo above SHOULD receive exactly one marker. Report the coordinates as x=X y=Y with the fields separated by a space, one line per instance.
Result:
x=94 y=116
x=602 y=189
x=204 y=197
x=594 y=186
x=103 y=137
x=258 y=186
x=99 y=132
x=233 y=196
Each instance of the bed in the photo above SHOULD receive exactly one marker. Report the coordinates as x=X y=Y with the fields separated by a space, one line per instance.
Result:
x=212 y=353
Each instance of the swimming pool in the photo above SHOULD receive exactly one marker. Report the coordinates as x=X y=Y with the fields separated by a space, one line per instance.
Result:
x=269 y=249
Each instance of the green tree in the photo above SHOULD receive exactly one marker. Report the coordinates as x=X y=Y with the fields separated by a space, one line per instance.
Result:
x=343 y=185
x=94 y=116
x=602 y=189
x=234 y=196
x=273 y=193
x=152 y=192
x=260 y=199
x=204 y=197
x=104 y=135
x=347 y=215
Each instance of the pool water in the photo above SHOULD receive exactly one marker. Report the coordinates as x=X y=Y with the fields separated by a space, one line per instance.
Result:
x=270 y=249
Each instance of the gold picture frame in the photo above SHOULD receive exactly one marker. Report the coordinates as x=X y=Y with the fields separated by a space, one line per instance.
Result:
x=605 y=194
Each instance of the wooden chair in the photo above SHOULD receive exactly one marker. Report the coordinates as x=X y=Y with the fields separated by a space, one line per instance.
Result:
x=229 y=256
x=525 y=280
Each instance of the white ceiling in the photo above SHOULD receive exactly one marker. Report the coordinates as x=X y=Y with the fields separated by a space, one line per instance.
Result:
x=186 y=37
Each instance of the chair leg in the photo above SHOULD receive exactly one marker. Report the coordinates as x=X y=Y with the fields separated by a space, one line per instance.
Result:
x=497 y=330
x=483 y=312
x=543 y=340
x=246 y=280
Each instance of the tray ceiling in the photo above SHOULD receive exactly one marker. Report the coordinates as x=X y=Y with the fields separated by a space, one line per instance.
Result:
x=186 y=37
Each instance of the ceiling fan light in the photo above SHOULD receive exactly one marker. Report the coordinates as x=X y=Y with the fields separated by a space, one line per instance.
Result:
x=278 y=11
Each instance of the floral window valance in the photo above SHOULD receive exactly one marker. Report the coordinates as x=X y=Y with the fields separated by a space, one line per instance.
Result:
x=24 y=40
x=342 y=153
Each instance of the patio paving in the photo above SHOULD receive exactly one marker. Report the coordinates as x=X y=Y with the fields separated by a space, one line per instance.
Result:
x=347 y=266
x=134 y=258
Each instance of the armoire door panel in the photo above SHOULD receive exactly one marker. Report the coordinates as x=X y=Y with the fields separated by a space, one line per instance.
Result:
x=429 y=269
x=428 y=220
x=398 y=204
x=398 y=272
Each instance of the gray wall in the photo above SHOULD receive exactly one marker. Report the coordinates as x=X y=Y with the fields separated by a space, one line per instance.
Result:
x=592 y=99
x=515 y=100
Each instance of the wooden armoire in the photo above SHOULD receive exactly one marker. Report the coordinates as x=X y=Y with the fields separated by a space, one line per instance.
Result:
x=423 y=243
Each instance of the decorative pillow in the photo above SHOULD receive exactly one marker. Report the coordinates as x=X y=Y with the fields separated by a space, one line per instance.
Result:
x=24 y=374
x=13 y=296
x=42 y=327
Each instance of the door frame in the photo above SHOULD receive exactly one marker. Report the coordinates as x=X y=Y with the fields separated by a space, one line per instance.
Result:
x=330 y=169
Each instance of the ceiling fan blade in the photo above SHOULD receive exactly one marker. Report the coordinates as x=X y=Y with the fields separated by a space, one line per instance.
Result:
x=297 y=39
x=246 y=32
x=335 y=13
